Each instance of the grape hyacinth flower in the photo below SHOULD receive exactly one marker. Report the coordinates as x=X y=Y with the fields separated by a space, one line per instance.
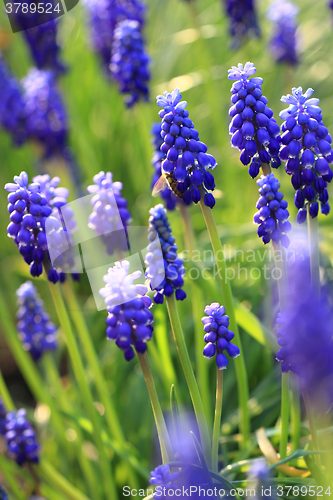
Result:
x=110 y=216
x=243 y=20
x=283 y=44
x=186 y=161
x=218 y=337
x=129 y=62
x=21 y=438
x=46 y=117
x=272 y=216
x=306 y=341
x=253 y=129
x=165 y=270
x=60 y=234
x=164 y=480
x=12 y=110
x=169 y=198
x=37 y=333
x=40 y=35
x=259 y=478
x=129 y=321
x=103 y=18
x=307 y=151
x=29 y=210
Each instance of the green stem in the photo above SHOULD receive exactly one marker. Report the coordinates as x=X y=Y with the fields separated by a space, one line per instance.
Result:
x=202 y=366
x=92 y=359
x=165 y=444
x=80 y=375
x=314 y=251
x=217 y=421
x=284 y=415
x=280 y=264
x=53 y=378
x=11 y=480
x=189 y=375
x=313 y=429
x=295 y=413
x=49 y=473
x=6 y=397
x=242 y=382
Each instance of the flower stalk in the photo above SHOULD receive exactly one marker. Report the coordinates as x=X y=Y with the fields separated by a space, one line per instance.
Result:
x=242 y=382
x=165 y=444
x=189 y=375
x=217 y=420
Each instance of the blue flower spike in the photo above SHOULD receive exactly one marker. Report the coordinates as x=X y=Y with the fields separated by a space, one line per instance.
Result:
x=46 y=116
x=37 y=333
x=12 y=110
x=165 y=270
x=130 y=62
x=40 y=34
x=31 y=207
x=103 y=16
x=185 y=159
x=217 y=336
x=283 y=44
x=253 y=128
x=110 y=216
x=307 y=151
x=242 y=19
x=163 y=479
x=129 y=321
x=21 y=438
x=272 y=216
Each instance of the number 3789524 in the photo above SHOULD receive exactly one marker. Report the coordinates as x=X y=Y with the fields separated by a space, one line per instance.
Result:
x=25 y=8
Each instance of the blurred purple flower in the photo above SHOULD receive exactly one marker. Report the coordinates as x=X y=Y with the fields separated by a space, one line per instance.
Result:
x=283 y=44
x=103 y=18
x=130 y=62
x=242 y=20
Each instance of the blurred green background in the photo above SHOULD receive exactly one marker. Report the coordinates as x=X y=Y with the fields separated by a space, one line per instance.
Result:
x=190 y=48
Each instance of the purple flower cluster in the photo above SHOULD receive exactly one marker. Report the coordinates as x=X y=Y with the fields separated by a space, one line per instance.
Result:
x=272 y=216
x=37 y=333
x=21 y=438
x=283 y=44
x=307 y=151
x=163 y=479
x=40 y=35
x=306 y=341
x=110 y=216
x=217 y=336
x=12 y=114
x=243 y=20
x=165 y=270
x=46 y=117
x=253 y=129
x=129 y=321
x=186 y=160
x=169 y=198
x=129 y=62
x=30 y=208
x=103 y=18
